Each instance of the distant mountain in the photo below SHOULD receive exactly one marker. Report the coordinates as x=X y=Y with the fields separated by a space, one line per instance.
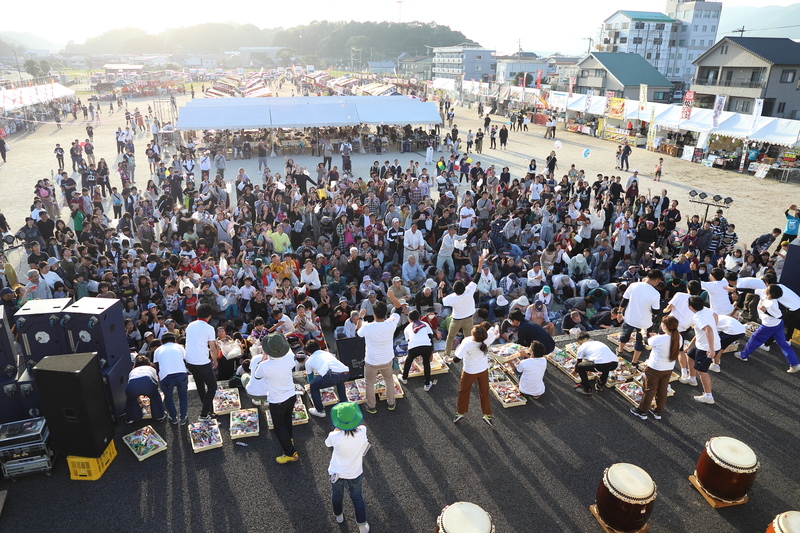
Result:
x=29 y=41
x=761 y=20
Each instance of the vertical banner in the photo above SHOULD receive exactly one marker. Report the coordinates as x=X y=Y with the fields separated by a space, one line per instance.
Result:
x=745 y=152
x=758 y=107
x=688 y=103
x=589 y=95
x=651 y=129
x=642 y=97
x=538 y=78
x=571 y=87
x=609 y=96
x=719 y=105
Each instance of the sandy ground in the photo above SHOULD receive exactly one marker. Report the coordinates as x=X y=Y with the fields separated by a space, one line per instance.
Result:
x=758 y=204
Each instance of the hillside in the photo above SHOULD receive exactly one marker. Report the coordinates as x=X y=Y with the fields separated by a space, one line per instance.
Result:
x=29 y=41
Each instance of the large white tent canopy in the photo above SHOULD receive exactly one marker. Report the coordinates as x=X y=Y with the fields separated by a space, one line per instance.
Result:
x=12 y=99
x=303 y=112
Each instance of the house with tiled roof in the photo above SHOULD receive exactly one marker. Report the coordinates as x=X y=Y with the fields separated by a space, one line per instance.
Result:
x=623 y=74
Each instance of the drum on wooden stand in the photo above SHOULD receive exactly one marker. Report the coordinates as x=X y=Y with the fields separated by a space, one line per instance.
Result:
x=788 y=522
x=464 y=517
x=625 y=498
x=726 y=469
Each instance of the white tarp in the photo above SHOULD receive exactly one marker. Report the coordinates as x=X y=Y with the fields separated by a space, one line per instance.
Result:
x=739 y=126
x=11 y=99
x=300 y=112
x=445 y=84
x=780 y=131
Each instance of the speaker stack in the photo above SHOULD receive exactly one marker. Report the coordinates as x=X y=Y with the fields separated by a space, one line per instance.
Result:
x=40 y=330
x=74 y=403
x=10 y=403
x=97 y=325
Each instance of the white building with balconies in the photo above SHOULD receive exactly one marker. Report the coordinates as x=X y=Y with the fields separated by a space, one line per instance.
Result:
x=473 y=62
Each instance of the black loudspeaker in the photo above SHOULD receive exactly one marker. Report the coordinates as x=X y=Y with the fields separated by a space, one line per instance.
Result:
x=40 y=331
x=790 y=276
x=28 y=394
x=75 y=404
x=9 y=358
x=352 y=352
x=115 y=379
x=10 y=404
x=96 y=325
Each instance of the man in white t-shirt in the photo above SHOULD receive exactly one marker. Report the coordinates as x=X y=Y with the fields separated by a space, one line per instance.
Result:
x=771 y=316
x=202 y=352
x=702 y=349
x=378 y=337
x=463 y=303
x=593 y=356
x=639 y=301
x=172 y=373
x=327 y=371
x=730 y=331
x=718 y=292
x=276 y=371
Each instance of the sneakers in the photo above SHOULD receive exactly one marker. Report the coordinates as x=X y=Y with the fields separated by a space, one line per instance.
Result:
x=257 y=403
x=403 y=380
x=313 y=411
x=487 y=419
x=714 y=367
x=429 y=385
x=339 y=518
x=393 y=406
x=598 y=387
x=738 y=355
x=161 y=419
x=184 y=420
x=793 y=369
x=206 y=418
x=670 y=390
x=655 y=415
x=363 y=528
x=688 y=380
x=704 y=399
x=283 y=459
x=371 y=410
x=173 y=421
x=457 y=418
x=584 y=392
x=684 y=379
x=636 y=412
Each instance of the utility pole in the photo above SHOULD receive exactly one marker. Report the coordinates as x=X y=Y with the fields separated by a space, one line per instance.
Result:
x=19 y=72
x=591 y=41
x=740 y=31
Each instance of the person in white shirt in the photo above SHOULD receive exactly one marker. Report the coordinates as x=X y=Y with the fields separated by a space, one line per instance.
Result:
x=535 y=279
x=276 y=371
x=463 y=303
x=202 y=353
x=143 y=381
x=730 y=331
x=639 y=301
x=256 y=388
x=310 y=276
x=531 y=371
x=593 y=356
x=350 y=444
x=474 y=351
x=378 y=337
x=467 y=216
x=419 y=336
x=664 y=350
x=771 y=328
x=718 y=292
x=324 y=370
x=445 y=255
x=169 y=360
x=413 y=242
x=702 y=349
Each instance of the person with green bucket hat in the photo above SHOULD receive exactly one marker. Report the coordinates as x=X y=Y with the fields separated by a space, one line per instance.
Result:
x=350 y=444
x=276 y=370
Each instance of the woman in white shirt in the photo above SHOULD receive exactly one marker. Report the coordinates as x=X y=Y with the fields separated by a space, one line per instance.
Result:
x=664 y=352
x=349 y=443
x=419 y=336
x=531 y=371
x=143 y=381
x=310 y=276
x=474 y=351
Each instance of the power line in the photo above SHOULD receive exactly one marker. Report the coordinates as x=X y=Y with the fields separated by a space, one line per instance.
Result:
x=742 y=30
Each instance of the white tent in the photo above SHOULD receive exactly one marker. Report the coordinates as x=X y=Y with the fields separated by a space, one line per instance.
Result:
x=779 y=131
x=444 y=83
x=669 y=117
x=740 y=126
x=11 y=99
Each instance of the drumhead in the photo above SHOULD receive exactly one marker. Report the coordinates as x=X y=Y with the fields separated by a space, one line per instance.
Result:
x=630 y=480
x=465 y=517
x=788 y=522
x=733 y=452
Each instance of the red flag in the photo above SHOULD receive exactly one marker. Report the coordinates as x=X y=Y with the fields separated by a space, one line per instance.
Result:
x=538 y=78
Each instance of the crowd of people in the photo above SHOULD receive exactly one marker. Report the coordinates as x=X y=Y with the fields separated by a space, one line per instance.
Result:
x=289 y=261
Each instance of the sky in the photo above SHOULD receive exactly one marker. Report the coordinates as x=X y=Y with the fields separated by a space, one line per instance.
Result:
x=497 y=26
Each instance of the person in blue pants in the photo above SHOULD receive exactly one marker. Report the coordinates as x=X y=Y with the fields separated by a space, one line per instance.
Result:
x=771 y=328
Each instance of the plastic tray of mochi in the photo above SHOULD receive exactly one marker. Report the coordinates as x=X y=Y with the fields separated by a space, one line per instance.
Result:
x=244 y=423
x=508 y=393
x=505 y=352
x=356 y=391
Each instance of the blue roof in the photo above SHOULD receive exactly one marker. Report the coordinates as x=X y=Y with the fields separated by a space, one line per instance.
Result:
x=648 y=16
x=631 y=69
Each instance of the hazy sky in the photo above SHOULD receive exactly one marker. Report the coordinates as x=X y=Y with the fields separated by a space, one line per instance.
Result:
x=493 y=24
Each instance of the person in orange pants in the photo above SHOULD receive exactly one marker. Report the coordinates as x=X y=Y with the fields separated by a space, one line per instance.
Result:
x=474 y=352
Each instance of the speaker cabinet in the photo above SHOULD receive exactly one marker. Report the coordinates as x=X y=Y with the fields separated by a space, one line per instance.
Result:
x=40 y=331
x=28 y=394
x=115 y=379
x=10 y=403
x=9 y=358
x=75 y=404
x=790 y=276
x=96 y=325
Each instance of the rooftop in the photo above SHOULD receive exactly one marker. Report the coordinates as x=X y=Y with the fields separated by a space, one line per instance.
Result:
x=631 y=69
x=776 y=50
x=647 y=16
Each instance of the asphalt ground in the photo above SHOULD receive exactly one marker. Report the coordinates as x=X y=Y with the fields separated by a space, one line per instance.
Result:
x=536 y=470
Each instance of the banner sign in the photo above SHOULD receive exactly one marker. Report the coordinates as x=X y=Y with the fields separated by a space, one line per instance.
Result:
x=719 y=105
x=688 y=103
x=571 y=87
x=651 y=129
x=758 y=107
x=642 y=97
x=617 y=108
x=609 y=96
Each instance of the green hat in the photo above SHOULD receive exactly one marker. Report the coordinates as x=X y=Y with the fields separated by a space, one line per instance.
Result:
x=346 y=415
x=276 y=345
